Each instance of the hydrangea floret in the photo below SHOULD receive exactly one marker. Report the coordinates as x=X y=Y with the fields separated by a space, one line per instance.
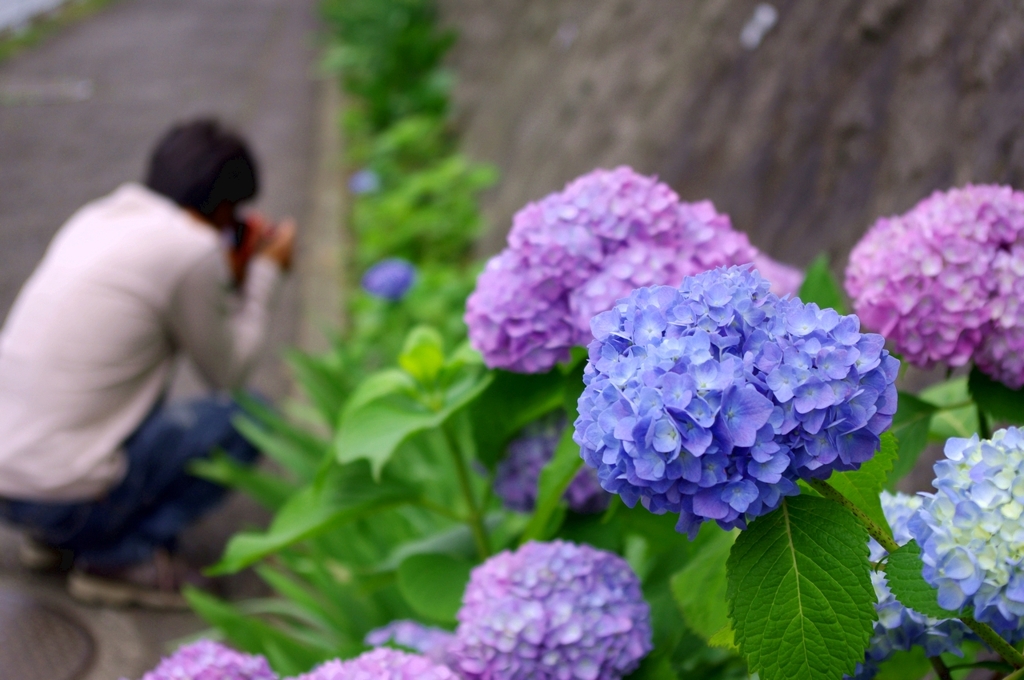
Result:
x=389 y=279
x=711 y=399
x=970 y=530
x=552 y=611
x=517 y=476
x=381 y=664
x=899 y=628
x=944 y=281
x=572 y=254
x=428 y=640
x=208 y=660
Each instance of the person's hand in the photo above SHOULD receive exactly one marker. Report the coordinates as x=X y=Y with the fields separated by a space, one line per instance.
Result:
x=257 y=228
x=279 y=244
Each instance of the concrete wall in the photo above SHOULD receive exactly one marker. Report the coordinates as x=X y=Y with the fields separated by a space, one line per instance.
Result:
x=15 y=13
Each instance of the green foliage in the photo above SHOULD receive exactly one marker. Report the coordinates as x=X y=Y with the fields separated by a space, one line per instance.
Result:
x=903 y=573
x=911 y=665
x=700 y=587
x=433 y=584
x=957 y=415
x=998 y=401
x=800 y=593
x=911 y=425
x=863 y=486
x=821 y=287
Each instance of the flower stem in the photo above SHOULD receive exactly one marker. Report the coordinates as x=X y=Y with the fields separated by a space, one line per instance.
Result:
x=940 y=668
x=883 y=537
x=997 y=643
x=475 y=519
x=1016 y=675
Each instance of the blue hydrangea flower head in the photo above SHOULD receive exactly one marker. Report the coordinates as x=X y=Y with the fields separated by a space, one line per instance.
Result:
x=552 y=611
x=516 y=478
x=208 y=660
x=711 y=399
x=381 y=664
x=971 y=531
x=389 y=279
x=364 y=181
x=899 y=628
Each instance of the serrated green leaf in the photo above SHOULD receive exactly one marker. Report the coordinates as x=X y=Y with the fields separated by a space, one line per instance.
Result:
x=433 y=584
x=910 y=425
x=903 y=573
x=724 y=639
x=863 y=486
x=699 y=588
x=800 y=592
x=821 y=287
x=995 y=398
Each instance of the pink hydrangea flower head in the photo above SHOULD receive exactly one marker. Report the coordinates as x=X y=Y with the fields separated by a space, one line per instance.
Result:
x=208 y=660
x=943 y=281
x=572 y=254
x=381 y=664
x=551 y=611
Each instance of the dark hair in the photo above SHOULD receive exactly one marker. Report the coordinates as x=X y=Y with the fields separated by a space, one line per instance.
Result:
x=200 y=164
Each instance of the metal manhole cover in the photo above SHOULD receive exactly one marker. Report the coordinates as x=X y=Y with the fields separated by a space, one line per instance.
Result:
x=38 y=642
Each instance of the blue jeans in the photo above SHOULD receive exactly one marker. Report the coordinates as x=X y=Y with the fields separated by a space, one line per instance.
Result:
x=156 y=499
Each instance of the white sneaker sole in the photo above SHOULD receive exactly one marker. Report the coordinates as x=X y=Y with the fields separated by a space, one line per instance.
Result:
x=95 y=590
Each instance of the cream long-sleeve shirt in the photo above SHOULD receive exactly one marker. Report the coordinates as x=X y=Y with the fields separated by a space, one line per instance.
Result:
x=87 y=349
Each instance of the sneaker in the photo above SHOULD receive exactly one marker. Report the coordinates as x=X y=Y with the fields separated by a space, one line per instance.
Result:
x=155 y=584
x=38 y=556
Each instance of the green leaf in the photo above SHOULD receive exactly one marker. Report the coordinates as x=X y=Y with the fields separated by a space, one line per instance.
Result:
x=961 y=421
x=724 y=639
x=903 y=573
x=292 y=458
x=912 y=665
x=374 y=431
x=289 y=657
x=863 y=486
x=996 y=399
x=555 y=478
x=800 y=592
x=821 y=287
x=376 y=386
x=910 y=425
x=422 y=355
x=348 y=493
x=700 y=587
x=433 y=585
x=269 y=490
x=512 y=401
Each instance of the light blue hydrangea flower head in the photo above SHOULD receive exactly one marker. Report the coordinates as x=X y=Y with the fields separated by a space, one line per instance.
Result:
x=208 y=660
x=517 y=476
x=971 y=530
x=898 y=628
x=552 y=611
x=381 y=664
x=389 y=279
x=711 y=399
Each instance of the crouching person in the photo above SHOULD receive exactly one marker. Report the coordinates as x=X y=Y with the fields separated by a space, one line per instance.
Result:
x=93 y=461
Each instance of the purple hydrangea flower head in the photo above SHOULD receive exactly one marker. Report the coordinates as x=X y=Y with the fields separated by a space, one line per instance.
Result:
x=709 y=400
x=970 y=530
x=552 y=611
x=572 y=254
x=899 y=628
x=381 y=664
x=208 y=660
x=517 y=475
x=389 y=279
x=944 y=281
x=427 y=640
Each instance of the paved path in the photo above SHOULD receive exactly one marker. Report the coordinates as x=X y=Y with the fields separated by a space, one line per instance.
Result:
x=78 y=115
